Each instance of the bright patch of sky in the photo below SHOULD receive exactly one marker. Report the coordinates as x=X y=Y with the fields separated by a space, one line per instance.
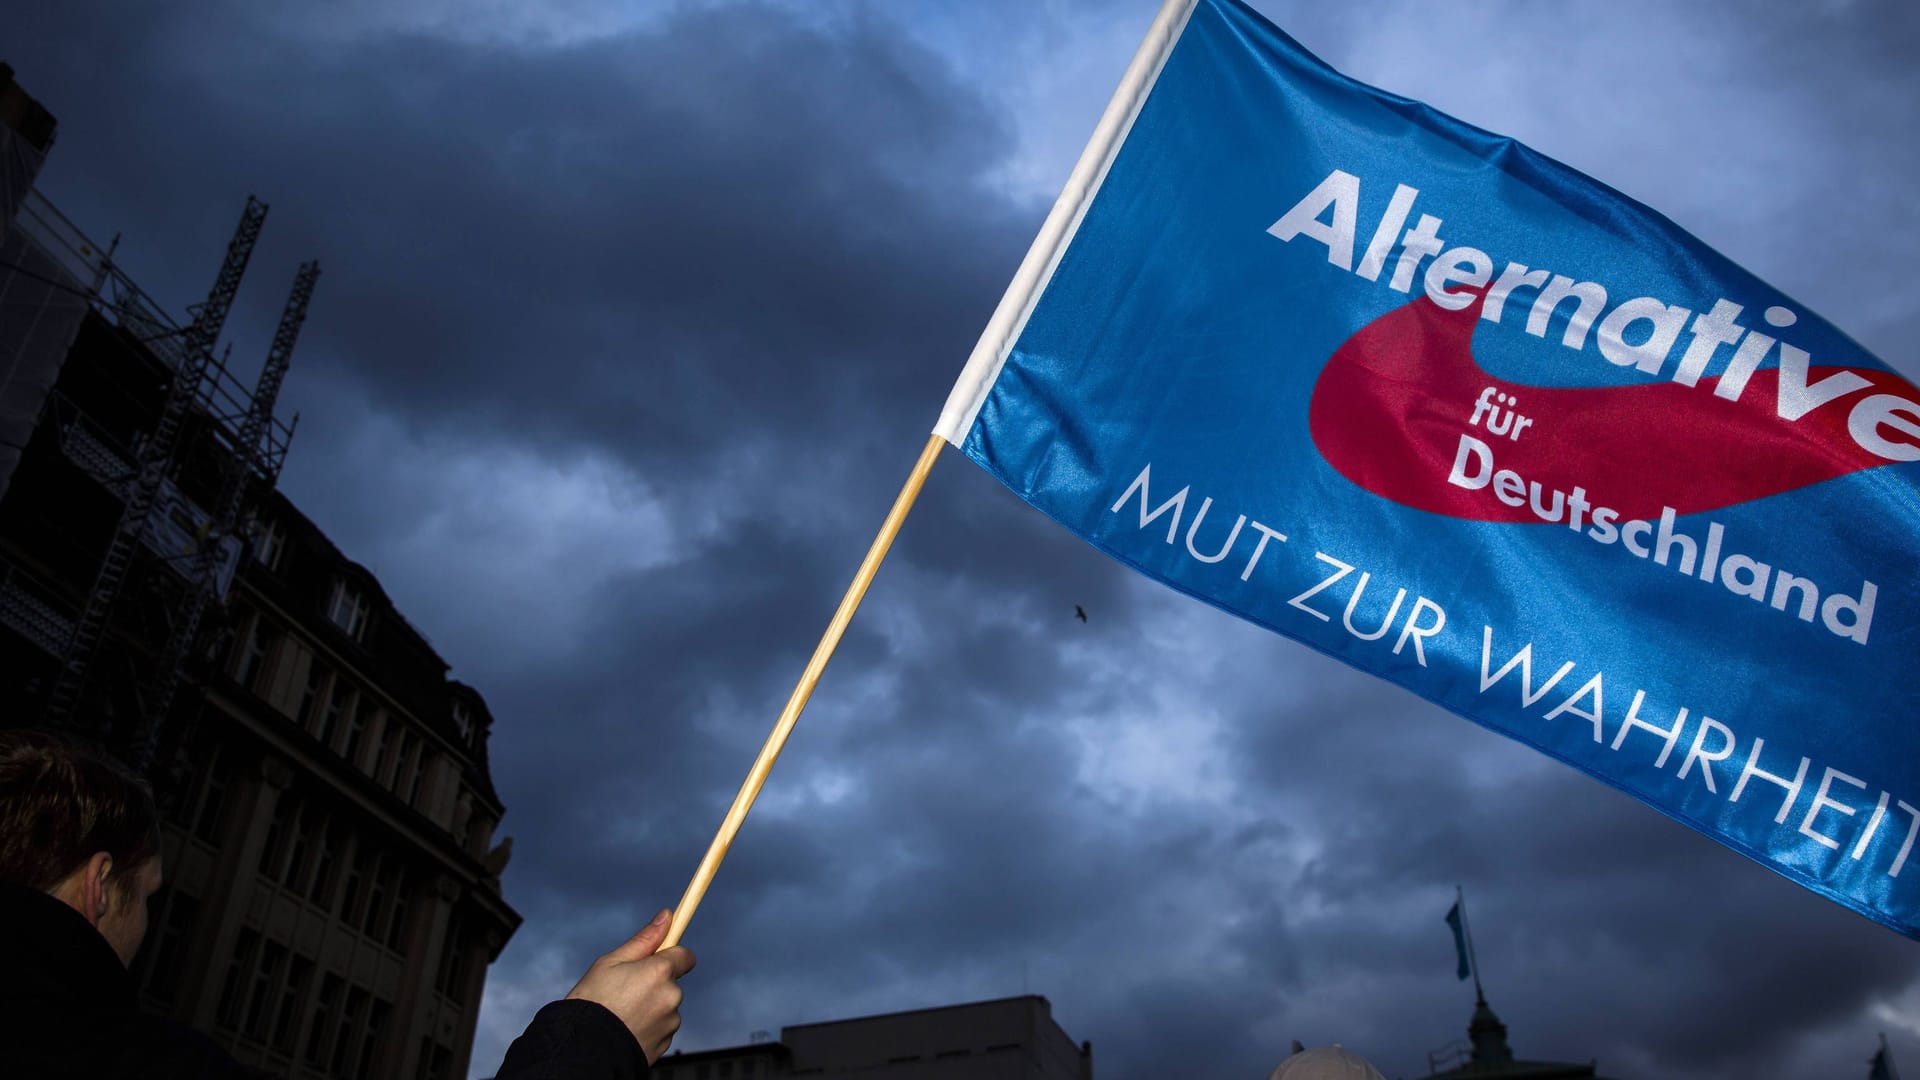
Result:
x=1148 y=742
x=543 y=534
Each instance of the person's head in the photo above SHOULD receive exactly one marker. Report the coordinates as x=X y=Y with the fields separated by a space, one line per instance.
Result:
x=81 y=827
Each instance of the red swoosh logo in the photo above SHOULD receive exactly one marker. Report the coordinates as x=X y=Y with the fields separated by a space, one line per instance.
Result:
x=1389 y=409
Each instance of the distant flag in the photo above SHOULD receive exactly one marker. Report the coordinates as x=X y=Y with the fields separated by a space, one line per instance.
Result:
x=1462 y=417
x=1883 y=1063
x=1463 y=943
x=1459 y=939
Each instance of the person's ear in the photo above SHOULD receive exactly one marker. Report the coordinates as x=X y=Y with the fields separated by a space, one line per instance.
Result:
x=95 y=893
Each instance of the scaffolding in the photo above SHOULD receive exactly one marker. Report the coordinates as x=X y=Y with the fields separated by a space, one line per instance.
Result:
x=238 y=468
x=48 y=278
x=201 y=544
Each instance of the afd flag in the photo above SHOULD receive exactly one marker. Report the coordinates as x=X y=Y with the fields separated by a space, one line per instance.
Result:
x=1464 y=968
x=1462 y=417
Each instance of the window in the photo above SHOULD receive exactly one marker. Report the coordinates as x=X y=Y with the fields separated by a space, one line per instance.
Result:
x=452 y=977
x=377 y=900
x=286 y=1019
x=198 y=806
x=382 y=748
x=331 y=840
x=464 y=723
x=265 y=978
x=405 y=762
x=386 y=920
x=212 y=814
x=357 y=875
x=228 y=1013
x=348 y=609
x=310 y=698
x=323 y=1014
x=397 y=926
x=176 y=928
x=254 y=651
x=411 y=790
x=339 y=705
x=479 y=835
x=363 y=718
x=436 y=1061
x=285 y=809
x=370 y=1043
x=306 y=829
x=178 y=810
x=343 y=1043
x=269 y=540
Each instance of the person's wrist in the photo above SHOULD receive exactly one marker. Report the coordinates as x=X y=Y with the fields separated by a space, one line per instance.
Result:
x=598 y=1014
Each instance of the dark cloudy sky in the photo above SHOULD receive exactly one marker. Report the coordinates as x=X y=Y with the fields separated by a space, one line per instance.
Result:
x=634 y=317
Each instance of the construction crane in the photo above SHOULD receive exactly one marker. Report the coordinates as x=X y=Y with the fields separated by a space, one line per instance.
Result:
x=155 y=459
x=247 y=460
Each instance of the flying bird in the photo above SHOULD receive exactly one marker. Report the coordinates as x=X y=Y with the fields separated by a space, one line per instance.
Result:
x=1079 y=613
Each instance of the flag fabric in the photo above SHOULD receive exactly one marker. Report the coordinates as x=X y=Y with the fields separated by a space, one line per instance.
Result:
x=1465 y=968
x=1462 y=417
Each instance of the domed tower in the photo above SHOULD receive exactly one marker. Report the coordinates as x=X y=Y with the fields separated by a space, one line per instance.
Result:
x=1486 y=1052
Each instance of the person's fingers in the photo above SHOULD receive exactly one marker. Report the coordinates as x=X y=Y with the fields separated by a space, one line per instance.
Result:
x=665 y=1023
x=680 y=960
x=642 y=945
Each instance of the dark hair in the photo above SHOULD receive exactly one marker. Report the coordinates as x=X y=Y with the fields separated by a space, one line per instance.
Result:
x=63 y=799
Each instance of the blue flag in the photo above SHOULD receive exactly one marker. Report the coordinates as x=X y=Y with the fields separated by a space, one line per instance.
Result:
x=1459 y=939
x=1462 y=417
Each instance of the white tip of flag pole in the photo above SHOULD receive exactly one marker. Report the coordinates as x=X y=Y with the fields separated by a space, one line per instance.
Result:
x=983 y=366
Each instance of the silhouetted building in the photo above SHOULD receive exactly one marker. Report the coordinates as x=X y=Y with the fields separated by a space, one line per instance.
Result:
x=1487 y=1054
x=333 y=895
x=26 y=134
x=41 y=296
x=1006 y=1039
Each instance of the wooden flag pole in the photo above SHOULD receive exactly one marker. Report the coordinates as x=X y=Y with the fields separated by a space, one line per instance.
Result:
x=757 y=776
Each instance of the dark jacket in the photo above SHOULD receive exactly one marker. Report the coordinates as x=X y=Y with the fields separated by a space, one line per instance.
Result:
x=574 y=1040
x=68 y=1007
x=69 y=1011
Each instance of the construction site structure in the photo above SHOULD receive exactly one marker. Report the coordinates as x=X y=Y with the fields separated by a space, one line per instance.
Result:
x=333 y=898
x=245 y=464
x=189 y=353
x=41 y=297
x=26 y=134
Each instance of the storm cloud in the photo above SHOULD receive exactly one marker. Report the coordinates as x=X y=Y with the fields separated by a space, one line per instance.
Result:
x=631 y=325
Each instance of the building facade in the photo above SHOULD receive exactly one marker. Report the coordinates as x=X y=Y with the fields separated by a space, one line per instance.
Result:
x=1004 y=1039
x=333 y=896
